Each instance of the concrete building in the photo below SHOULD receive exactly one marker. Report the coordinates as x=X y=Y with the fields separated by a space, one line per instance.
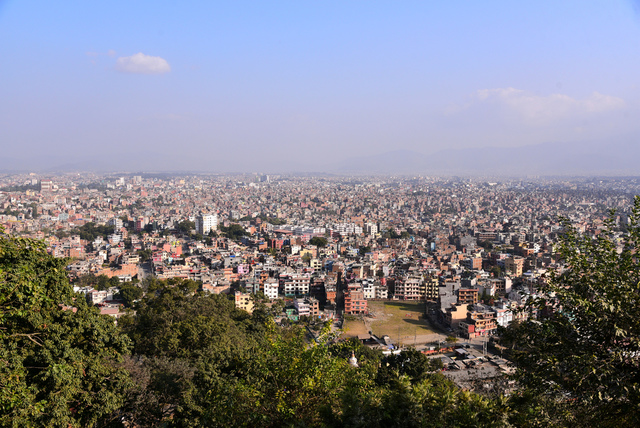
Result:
x=354 y=301
x=302 y=306
x=295 y=284
x=468 y=296
x=271 y=286
x=244 y=301
x=408 y=289
x=430 y=289
x=46 y=185
x=206 y=223
x=514 y=265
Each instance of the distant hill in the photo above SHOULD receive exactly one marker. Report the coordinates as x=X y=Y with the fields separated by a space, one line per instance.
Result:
x=576 y=158
x=583 y=158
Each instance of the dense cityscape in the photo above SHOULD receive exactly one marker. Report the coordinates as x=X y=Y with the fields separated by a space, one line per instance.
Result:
x=450 y=241
x=438 y=266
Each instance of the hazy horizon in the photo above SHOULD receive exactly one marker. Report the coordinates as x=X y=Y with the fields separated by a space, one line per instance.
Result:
x=336 y=87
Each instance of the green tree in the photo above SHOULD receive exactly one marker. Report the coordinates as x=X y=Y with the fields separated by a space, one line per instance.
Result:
x=129 y=293
x=306 y=258
x=364 y=250
x=318 y=241
x=114 y=281
x=431 y=402
x=145 y=255
x=185 y=226
x=234 y=231
x=451 y=340
x=582 y=351
x=90 y=231
x=60 y=366
x=185 y=344
x=409 y=362
x=102 y=282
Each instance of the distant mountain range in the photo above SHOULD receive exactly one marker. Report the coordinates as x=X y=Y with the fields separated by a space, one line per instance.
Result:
x=586 y=158
x=577 y=158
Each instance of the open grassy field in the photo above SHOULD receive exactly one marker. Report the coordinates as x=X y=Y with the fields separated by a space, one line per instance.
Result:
x=354 y=328
x=404 y=319
x=396 y=319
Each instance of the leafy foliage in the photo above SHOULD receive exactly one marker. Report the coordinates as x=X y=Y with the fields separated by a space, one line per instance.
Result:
x=145 y=255
x=90 y=231
x=583 y=351
x=201 y=362
x=273 y=220
x=185 y=226
x=59 y=367
x=99 y=282
x=233 y=231
x=318 y=241
x=129 y=293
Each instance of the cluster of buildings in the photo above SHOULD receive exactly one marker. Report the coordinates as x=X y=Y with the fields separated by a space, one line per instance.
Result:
x=474 y=249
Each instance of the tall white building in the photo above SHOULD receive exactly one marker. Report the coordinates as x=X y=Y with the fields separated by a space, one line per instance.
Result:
x=371 y=229
x=206 y=223
x=271 y=286
x=115 y=222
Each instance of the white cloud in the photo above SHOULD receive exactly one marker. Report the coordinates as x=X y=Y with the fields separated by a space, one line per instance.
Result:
x=142 y=64
x=544 y=109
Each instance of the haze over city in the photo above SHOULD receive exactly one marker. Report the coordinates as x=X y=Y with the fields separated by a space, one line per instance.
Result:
x=490 y=88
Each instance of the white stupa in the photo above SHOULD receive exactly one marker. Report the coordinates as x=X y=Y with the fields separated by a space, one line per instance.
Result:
x=353 y=361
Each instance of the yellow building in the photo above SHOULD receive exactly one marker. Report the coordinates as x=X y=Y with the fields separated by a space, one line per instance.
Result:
x=514 y=265
x=244 y=301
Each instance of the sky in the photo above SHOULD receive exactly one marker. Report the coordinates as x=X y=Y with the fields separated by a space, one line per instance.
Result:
x=300 y=85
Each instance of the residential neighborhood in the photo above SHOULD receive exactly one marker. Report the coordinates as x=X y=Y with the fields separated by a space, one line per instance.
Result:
x=473 y=251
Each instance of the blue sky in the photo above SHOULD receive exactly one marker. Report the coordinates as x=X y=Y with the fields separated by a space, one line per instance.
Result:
x=239 y=84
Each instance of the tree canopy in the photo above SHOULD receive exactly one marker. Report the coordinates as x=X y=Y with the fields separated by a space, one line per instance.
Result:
x=90 y=231
x=582 y=353
x=233 y=231
x=185 y=226
x=318 y=241
x=59 y=357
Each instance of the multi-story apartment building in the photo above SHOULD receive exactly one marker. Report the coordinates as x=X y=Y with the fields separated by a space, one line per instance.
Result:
x=409 y=289
x=302 y=306
x=330 y=293
x=116 y=223
x=382 y=292
x=271 y=286
x=46 y=185
x=503 y=285
x=244 y=301
x=371 y=229
x=483 y=319
x=472 y=263
x=514 y=265
x=314 y=307
x=206 y=223
x=468 y=296
x=430 y=288
x=354 y=301
x=295 y=284
x=504 y=316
